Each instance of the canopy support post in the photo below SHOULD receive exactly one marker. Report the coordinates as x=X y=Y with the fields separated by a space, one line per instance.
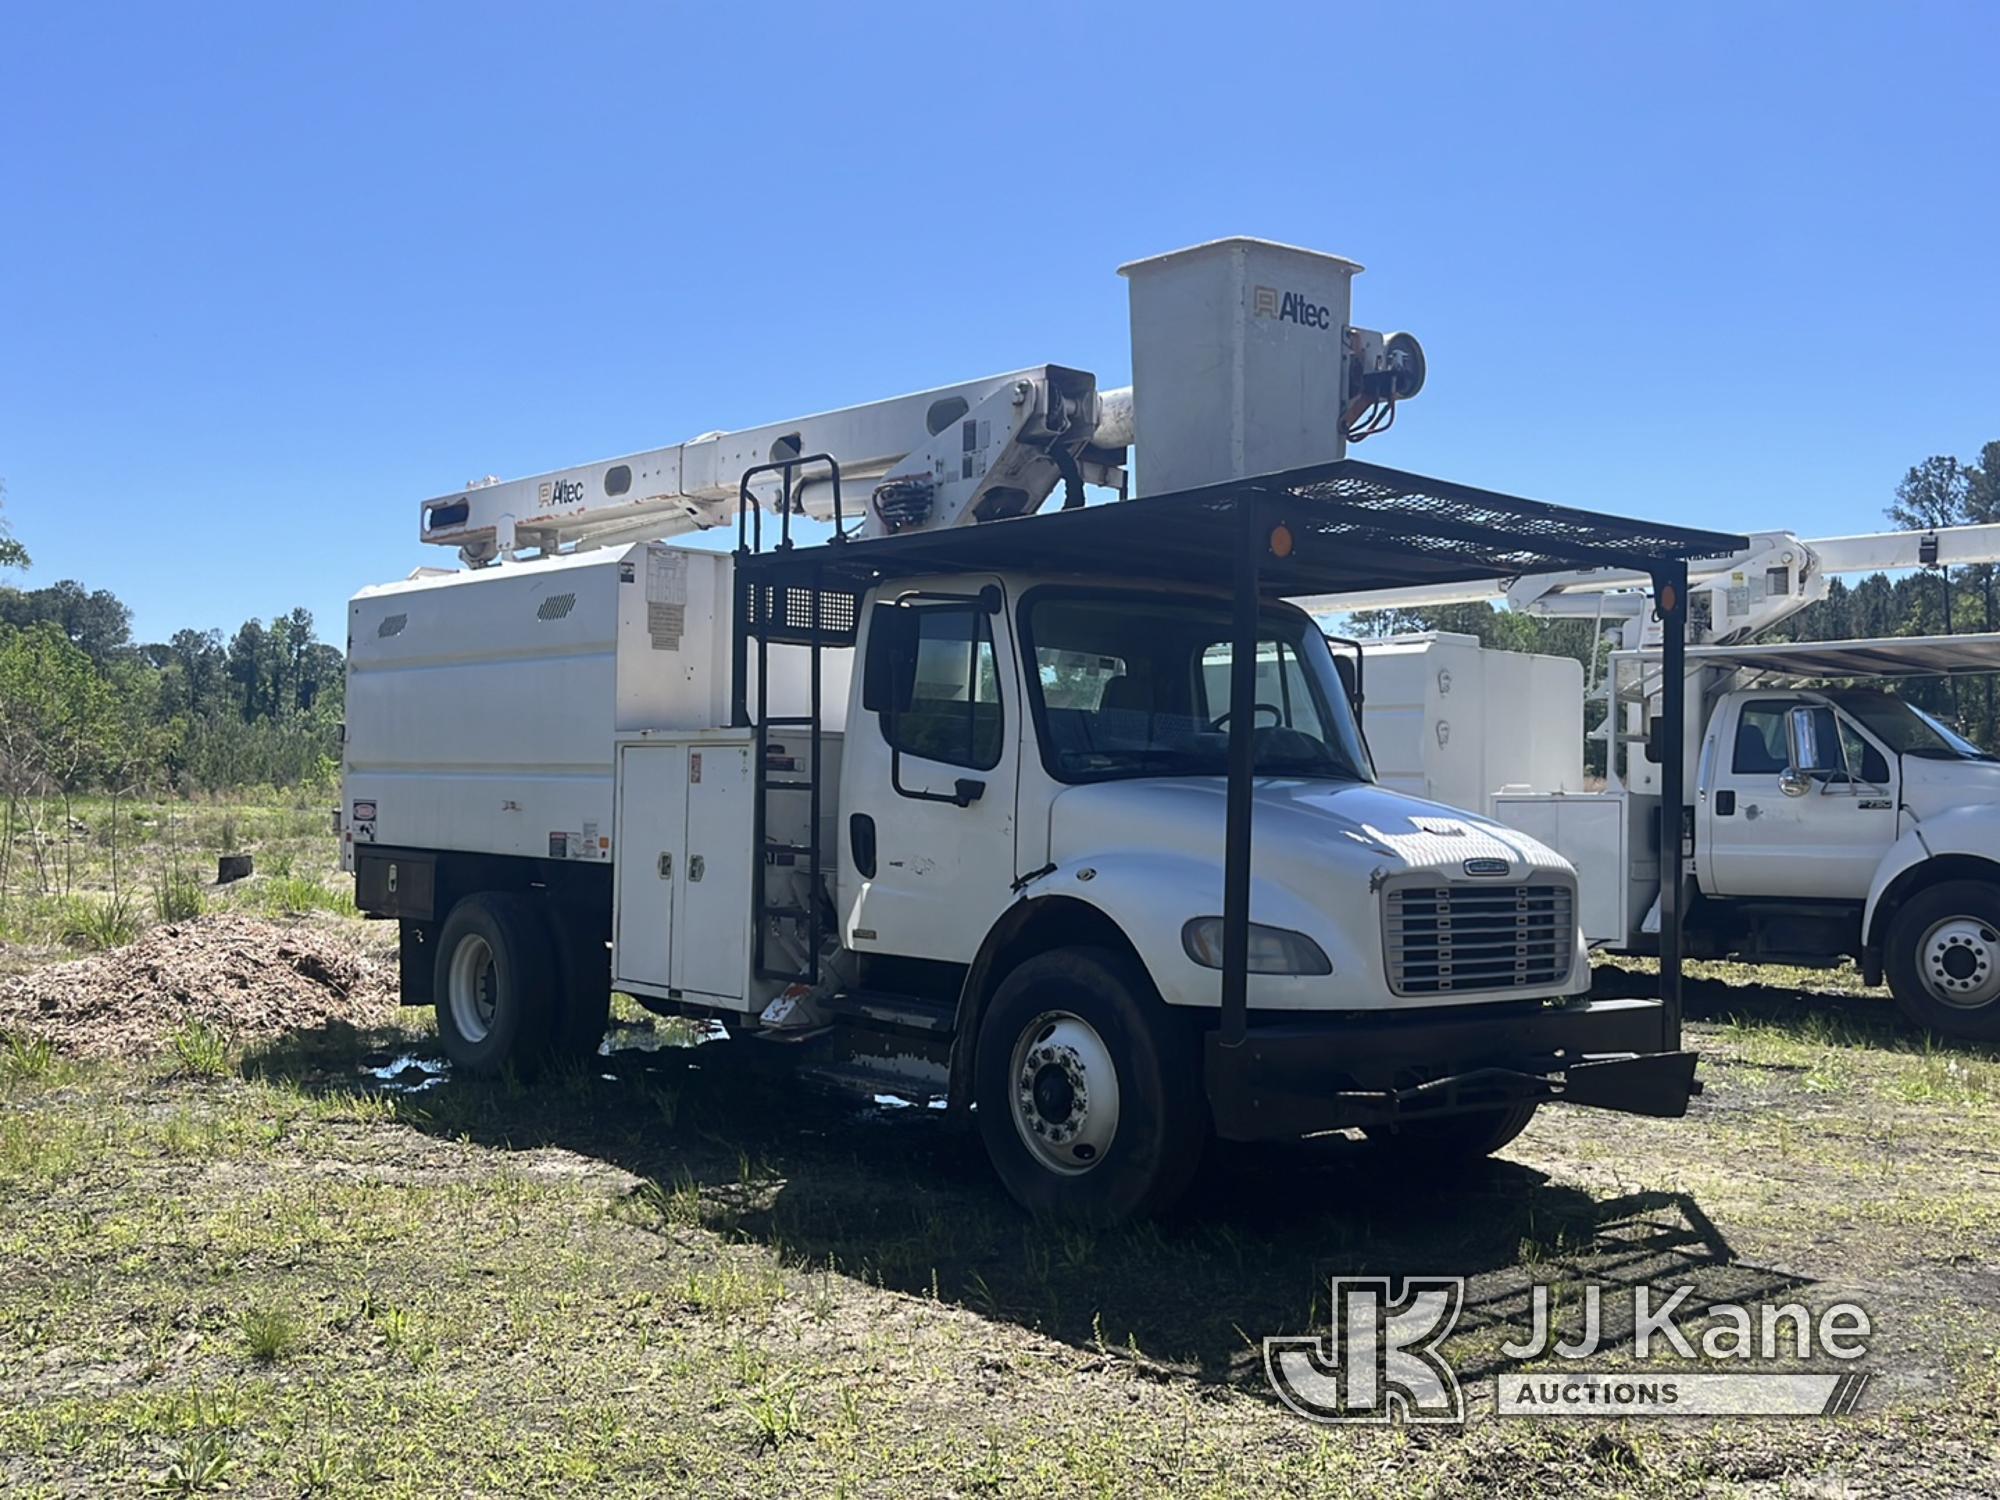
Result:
x=1670 y=602
x=1245 y=513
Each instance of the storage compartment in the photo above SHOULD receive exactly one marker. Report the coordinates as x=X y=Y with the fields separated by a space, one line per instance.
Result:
x=683 y=901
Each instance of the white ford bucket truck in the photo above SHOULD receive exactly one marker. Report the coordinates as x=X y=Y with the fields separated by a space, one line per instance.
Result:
x=1061 y=819
x=1850 y=821
x=1823 y=822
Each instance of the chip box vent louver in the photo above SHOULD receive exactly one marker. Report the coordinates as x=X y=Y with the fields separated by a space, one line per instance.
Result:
x=391 y=625
x=556 y=607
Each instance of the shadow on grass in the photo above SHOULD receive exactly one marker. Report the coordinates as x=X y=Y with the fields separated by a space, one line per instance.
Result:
x=901 y=1198
x=1830 y=1016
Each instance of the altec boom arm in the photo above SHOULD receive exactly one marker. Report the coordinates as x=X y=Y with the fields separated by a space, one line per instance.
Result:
x=984 y=447
x=1299 y=383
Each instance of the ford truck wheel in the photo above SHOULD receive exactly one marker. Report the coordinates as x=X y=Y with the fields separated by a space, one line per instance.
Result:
x=495 y=984
x=1943 y=959
x=1451 y=1140
x=1088 y=1089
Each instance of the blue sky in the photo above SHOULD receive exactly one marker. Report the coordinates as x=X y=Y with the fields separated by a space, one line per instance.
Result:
x=272 y=274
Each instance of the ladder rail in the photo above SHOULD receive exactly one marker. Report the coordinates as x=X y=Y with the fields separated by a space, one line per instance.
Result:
x=754 y=616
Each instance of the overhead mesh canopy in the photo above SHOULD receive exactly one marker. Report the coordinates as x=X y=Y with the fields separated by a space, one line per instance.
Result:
x=1346 y=526
x=1904 y=656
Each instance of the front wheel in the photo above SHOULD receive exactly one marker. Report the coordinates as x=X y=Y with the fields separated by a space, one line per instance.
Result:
x=1088 y=1089
x=1943 y=959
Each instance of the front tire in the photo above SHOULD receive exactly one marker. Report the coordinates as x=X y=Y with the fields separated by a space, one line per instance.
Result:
x=1088 y=1089
x=495 y=986
x=1943 y=959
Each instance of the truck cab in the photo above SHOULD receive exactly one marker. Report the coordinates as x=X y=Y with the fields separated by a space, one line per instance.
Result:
x=1029 y=739
x=1824 y=819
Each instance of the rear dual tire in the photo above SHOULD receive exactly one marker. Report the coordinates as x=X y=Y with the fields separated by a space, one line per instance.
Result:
x=516 y=986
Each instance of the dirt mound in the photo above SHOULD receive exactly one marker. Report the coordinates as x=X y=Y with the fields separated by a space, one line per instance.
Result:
x=245 y=976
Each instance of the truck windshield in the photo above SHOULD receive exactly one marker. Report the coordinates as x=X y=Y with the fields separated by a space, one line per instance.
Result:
x=1905 y=728
x=1138 y=685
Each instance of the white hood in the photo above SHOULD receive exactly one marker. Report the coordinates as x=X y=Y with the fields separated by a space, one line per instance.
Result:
x=1304 y=833
x=1326 y=859
x=1932 y=787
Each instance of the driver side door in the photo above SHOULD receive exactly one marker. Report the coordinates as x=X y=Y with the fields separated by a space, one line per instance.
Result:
x=929 y=773
x=1822 y=844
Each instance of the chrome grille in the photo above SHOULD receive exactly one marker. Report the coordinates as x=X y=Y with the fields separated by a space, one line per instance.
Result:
x=1460 y=937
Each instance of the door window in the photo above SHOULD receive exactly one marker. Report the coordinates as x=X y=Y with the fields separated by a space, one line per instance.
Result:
x=1760 y=739
x=953 y=711
x=1762 y=749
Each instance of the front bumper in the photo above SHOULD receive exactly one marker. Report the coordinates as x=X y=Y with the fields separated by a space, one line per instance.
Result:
x=1299 y=1076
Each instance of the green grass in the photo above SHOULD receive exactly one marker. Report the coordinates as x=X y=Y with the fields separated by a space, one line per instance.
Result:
x=269 y=1334
x=199 y=1050
x=165 y=855
x=28 y=1058
x=294 y=895
x=99 y=923
x=178 y=898
x=263 y=1275
x=281 y=1282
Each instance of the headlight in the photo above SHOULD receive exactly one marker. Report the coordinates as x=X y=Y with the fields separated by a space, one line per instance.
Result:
x=1273 y=950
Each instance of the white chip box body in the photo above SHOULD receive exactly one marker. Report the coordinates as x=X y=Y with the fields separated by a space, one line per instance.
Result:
x=484 y=707
x=1449 y=720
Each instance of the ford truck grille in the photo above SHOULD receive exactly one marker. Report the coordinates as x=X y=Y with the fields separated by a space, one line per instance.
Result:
x=1461 y=937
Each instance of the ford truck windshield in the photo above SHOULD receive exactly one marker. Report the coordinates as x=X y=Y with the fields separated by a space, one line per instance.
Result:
x=1905 y=728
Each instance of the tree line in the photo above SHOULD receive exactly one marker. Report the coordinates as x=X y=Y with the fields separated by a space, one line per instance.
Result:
x=1940 y=491
x=85 y=707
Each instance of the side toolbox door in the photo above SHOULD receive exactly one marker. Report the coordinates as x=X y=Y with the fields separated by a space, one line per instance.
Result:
x=649 y=847
x=712 y=911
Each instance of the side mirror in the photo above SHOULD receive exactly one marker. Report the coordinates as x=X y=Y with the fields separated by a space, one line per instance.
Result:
x=1806 y=754
x=889 y=676
x=1348 y=672
x=1349 y=669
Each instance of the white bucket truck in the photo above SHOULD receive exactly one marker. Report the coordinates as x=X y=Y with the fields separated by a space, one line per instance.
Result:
x=1828 y=818
x=959 y=804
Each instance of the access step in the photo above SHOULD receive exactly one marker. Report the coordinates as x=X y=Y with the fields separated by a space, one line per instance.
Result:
x=898 y=1015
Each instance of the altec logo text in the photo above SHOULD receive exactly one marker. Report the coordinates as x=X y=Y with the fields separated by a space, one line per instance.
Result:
x=560 y=492
x=1290 y=307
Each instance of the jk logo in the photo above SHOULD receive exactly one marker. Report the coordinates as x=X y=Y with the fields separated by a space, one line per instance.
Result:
x=1382 y=1363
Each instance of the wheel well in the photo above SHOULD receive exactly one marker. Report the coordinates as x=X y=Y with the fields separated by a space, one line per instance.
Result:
x=1920 y=877
x=577 y=896
x=1027 y=928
